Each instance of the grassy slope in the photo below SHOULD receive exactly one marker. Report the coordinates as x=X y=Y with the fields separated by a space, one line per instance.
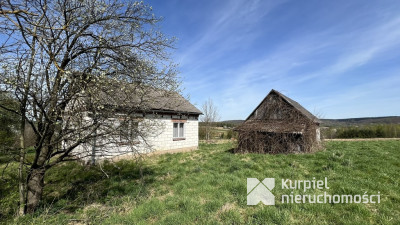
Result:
x=209 y=186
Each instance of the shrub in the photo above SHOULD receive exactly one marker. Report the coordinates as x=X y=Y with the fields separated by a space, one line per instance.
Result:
x=372 y=131
x=229 y=135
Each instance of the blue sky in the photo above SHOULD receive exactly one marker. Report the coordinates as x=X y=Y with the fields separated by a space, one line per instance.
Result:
x=339 y=59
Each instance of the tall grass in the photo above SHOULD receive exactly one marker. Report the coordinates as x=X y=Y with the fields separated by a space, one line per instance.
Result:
x=217 y=133
x=208 y=186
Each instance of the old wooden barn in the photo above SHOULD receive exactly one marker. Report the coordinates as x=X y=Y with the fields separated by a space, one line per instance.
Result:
x=279 y=125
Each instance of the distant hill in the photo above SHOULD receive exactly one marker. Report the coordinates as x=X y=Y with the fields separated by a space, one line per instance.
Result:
x=236 y=122
x=360 y=121
x=344 y=122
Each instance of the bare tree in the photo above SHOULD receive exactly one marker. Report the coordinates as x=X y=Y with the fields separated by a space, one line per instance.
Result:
x=210 y=115
x=73 y=64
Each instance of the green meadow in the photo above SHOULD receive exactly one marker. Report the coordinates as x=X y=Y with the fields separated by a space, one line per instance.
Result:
x=208 y=186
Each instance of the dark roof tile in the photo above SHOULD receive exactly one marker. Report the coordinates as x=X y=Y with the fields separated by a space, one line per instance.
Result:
x=144 y=98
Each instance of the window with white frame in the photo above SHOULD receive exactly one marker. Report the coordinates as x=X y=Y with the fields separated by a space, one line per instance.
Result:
x=179 y=130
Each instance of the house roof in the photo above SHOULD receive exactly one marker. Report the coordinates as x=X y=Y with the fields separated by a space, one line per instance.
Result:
x=142 y=98
x=292 y=102
x=170 y=102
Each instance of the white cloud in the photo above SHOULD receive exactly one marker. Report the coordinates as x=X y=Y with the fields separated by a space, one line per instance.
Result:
x=361 y=47
x=298 y=64
x=229 y=28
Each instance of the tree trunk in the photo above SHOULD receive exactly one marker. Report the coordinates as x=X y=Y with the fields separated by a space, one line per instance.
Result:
x=208 y=132
x=23 y=107
x=21 y=175
x=35 y=185
x=35 y=180
x=93 y=157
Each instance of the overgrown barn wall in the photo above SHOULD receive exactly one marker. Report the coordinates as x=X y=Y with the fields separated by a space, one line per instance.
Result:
x=277 y=127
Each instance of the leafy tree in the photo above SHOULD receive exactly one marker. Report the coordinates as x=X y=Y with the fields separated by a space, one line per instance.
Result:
x=65 y=61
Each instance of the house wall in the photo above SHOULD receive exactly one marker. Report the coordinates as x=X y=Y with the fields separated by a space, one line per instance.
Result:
x=164 y=140
x=158 y=130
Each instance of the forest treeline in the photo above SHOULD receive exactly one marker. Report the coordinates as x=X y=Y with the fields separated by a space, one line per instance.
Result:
x=367 y=131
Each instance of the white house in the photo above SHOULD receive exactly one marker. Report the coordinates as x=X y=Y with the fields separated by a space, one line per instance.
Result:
x=162 y=123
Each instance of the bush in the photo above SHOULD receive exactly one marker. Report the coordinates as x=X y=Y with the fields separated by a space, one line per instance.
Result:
x=202 y=133
x=229 y=135
x=9 y=122
x=372 y=131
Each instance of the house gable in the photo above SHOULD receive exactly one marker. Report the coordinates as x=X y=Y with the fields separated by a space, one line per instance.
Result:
x=276 y=106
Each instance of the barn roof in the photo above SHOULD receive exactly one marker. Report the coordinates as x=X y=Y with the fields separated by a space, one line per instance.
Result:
x=271 y=126
x=292 y=102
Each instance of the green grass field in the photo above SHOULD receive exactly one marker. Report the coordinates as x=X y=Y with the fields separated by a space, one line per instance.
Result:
x=208 y=186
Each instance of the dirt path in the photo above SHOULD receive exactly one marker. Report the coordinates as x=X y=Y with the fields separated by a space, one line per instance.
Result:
x=364 y=139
